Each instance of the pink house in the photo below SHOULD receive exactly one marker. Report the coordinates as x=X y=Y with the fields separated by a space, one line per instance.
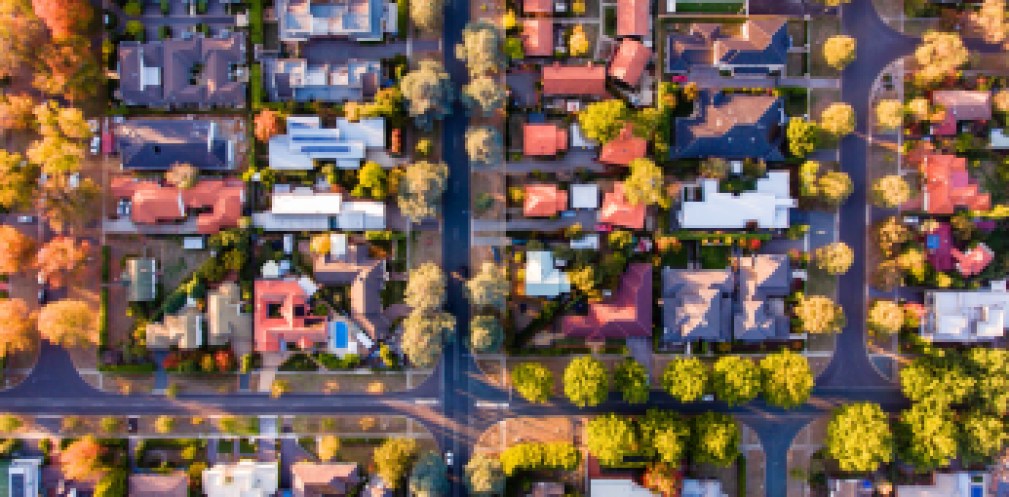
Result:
x=283 y=319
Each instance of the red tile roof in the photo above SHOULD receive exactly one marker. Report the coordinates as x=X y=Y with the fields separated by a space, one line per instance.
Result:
x=589 y=81
x=938 y=247
x=626 y=147
x=544 y=139
x=538 y=6
x=294 y=322
x=538 y=37
x=633 y=17
x=974 y=260
x=153 y=203
x=544 y=201
x=629 y=62
x=628 y=313
x=960 y=105
x=616 y=210
x=948 y=185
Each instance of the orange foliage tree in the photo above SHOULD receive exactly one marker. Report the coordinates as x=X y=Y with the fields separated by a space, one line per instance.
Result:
x=17 y=250
x=267 y=125
x=16 y=326
x=81 y=460
x=67 y=68
x=16 y=111
x=69 y=323
x=61 y=255
x=64 y=18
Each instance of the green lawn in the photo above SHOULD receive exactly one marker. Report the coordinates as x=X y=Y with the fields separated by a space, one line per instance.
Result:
x=714 y=257
x=710 y=7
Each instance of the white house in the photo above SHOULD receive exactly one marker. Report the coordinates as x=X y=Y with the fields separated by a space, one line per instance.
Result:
x=966 y=316
x=618 y=488
x=543 y=279
x=242 y=479
x=307 y=141
x=23 y=477
x=960 y=484
x=585 y=196
x=304 y=209
x=704 y=207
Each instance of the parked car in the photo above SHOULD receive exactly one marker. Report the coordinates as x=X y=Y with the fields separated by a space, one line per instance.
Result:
x=96 y=143
x=40 y=278
x=74 y=180
x=449 y=459
x=42 y=296
x=93 y=126
x=25 y=219
x=604 y=228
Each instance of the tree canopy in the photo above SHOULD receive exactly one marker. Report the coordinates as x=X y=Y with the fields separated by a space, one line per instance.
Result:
x=268 y=124
x=329 y=447
x=420 y=189
x=533 y=382
x=484 y=94
x=484 y=476
x=929 y=437
x=17 y=253
x=490 y=286
x=485 y=333
x=17 y=330
x=602 y=121
x=838 y=119
x=425 y=287
x=424 y=334
x=59 y=256
x=735 y=380
x=426 y=16
x=665 y=435
x=834 y=258
x=81 y=460
x=480 y=48
x=983 y=437
x=819 y=314
x=786 y=378
x=610 y=438
x=685 y=378
x=586 y=382
x=890 y=191
x=63 y=17
x=802 y=136
x=631 y=379
x=890 y=113
x=715 y=439
x=939 y=55
x=393 y=459
x=484 y=146
x=885 y=317
x=859 y=437
x=427 y=91
x=429 y=477
x=839 y=51
x=69 y=323
x=645 y=184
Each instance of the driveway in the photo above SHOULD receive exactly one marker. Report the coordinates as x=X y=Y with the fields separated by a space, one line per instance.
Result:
x=340 y=51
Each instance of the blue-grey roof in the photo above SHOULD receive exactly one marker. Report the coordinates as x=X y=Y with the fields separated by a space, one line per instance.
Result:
x=764 y=41
x=697 y=305
x=362 y=20
x=154 y=145
x=732 y=126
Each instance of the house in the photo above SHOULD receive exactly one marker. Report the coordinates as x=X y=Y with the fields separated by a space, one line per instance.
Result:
x=939 y=247
x=324 y=479
x=306 y=142
x=584 y=196
x=182 y=330
x=538 y=37
x=140 y=277
x=766 y=207
x=625 y=314
x=588 y=81
x=634 y=18
x=618 y=211
x=966 y=316
x=959 y=484
x=284 y=319
x=304 y=209
x=544 y=201
x=358 y=20
x=629 y=62
x=349 y=265
x=543 y=279
x=547 y=489
x=543 y=139
x=732 y=126
x=697 y=304
x=761 y=47
x=22 y=477
x=626 y=147
x=218 y=203
x=242 y=479
x=183 y=72
x=702 y=488
x=618 y=488
x=295 y=79
x=972 y=262
x=948 y=186
x=764 y=284
x=226 y=322
x=154 y=145
x=174 y=484
x=960 y=105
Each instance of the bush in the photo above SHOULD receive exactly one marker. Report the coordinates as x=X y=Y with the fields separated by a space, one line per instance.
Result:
x=330 y=361
x=533 y=455
x=299 y=362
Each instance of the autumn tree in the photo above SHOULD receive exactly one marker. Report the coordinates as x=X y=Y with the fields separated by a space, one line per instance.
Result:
x=68 y=323
x=63 y=17
x=1000 y=100
x=425 y=287
x=485 y=333
x=81 y=460
x=859 y=437
x=611 y=438
x=819 y=314
x=735 y=380
x=424 y=334
x=329 y=447
x=586 y=382
x=786 y=378
x=420 y=189
x=645 y=184
x=939 y=55
x=991 y=18
x=890 y=234
x=715 y=439
x=17 y=252
x=427 y=91
x=889 y=113
x=484 y=94
x=268 y=123
x=480 y=48
x=67 y=69
x=484 y=146
x=685 y=378
x=838 y=119
x=67 y=208
x=489 y=287
x=61 y=255
x=885 y=317
x=427 y=16
x=393 y=459
x=802 y=136
x=484 y=476
x=19 y=35
x=890 y=191
x=834 y=258
x=631 y=379
x=17 y=329
x=533 y=382
x=839 y=51
x=429 y=476
x=16 y=110
x=578 y=42
x=919 y=108
x=182 y=175
x=834 y=187
x=602 y=121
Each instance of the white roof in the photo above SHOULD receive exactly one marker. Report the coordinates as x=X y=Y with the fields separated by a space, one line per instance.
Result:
x=702 y=488
x=945 y=485
x=306 y=201
x=337 y=245
x=589 y=242
x=578 y=139
x=768 y=205
x=243 y=479
x=306 y=141
x=542 y=277
x=966 y=316
x=618 y=488
x=271 y=269
x=307 y=285
x=998 y=139
x=585 y=196
x=193 y=243
x=306 y=210
x=370 y=131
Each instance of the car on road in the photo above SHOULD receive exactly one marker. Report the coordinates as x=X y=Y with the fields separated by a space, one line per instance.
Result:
x=132 y=424
x=74 y=180
x=43 y=296
x=41 y=278
x=93 y=126
x=449 y=459
x=25 y=219
x=96 y=143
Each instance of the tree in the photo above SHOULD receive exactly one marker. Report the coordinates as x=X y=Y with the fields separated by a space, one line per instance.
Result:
x=786 y=379
x=164 y=424
x=61 y=255
x=919 y=108
x=586 y=382
x=928 y=437
x=938 y=380
x=938 y=55
x=646 y=184
x=664 y=436
x=484 y=94
x=372 y=181
x=113 y=483
x=483 y=146
x=393 y=458
x=685 y=378
x=1000 y=100
x=834 y=187
x=991 y=19
x=268 y=124
x=425 y=287
x=602 y=121
x=809 y=174
x=839 y=51
x=81 y=460
x=484 y=476
x=509 y=21
x=890 y=234
x=485 y=333
x=714 y=168
x=420 y=189
x=489 y=287
x=182 y=175
x=610 y=438
x=983 y=437
x=801 y=136
x=18 y=181
x=56 y=155
x=834 y=258
x=67 y=208
x=819 y=314
x=533 y=382
x=68 y=323
x=578 y=43
x=715 y=439
x=19 y=32
x=329 y=446
x=890 y=113
x=423 y=336
x=429 y=477
x=427 y=91
x=67 y=69
x=631 y=379
x=513 y=48
x=838 y=119
x=859 y=437
x=480 y=49
x=991 y=368
x=17 y=252
x=10 y=423
x=885 y=317
x=426 y=16
x=17 y=331
x=735 y=379
x=63 y=17
x=890 y=191
x=16 y=110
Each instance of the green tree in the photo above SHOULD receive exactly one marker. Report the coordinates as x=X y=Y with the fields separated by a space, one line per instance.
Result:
x=9 y=423
x=586 y=382
x=372 y=181
x=602 y=121
x=533 y=381
x=802 y=136
x=329 y=447
x=885 y=317
x=834 y=258
x=112 y=484
x=685 y=378
x=665 y=435
x=839 y=51
x=427 y=91
x=983 y=437
x=424 y=335
x=393 y=458
x=484 y=476
x=18 y=181
x=928 y=437
x=938 y=380
x=164 y=424
x=809 y=174
x=484 y=94
x=859 y=437
x=715 y=439
x=631 y=379
x=420 y=189
x=838 y=119
x=646 y=184
x=834 y=187
x=480 y=48
x=610 y=438
x=489 y=287
x=819 y=314
x=735 y=380
x=786 y=378
x=485 y=333
x=714 y=168
x=890 y=191
x=429 y=477
x=939 y=55
x=484 y=146
x=991 y=372
x=890 y=113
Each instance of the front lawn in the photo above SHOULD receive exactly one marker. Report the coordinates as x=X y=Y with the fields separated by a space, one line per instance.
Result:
x=714 y=257
x=709 y=7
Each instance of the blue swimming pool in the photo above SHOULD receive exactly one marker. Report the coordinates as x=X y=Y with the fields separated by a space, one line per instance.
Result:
x=339 y=335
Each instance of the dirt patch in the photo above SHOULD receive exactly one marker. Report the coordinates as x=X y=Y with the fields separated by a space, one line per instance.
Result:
x=335 y=383
x=425 y=247
x=511 y=431
x=195 y=384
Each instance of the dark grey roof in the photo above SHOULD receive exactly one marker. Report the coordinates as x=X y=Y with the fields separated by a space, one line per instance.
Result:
x=733 y=126
x=366 y=278
x=697 y=305
x=763 y=284
x=183 y=72
x=154 y=145
x=763 y=42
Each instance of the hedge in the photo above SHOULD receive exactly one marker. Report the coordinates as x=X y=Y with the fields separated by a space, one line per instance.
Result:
x=256 y=86
x=256 y=21
x=533 y=455
x=103 y=319
x=330 y=361
x=147 y=367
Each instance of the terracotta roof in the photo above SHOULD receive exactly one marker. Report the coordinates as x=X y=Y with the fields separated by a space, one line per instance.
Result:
x=153 y=203
x=948 y=185
x=628 y=313
x=632 y=17
x=291 y=320
x=974 y=260
x=544 y=139
x=616 y=210
x=629 y=62
x=626 y=147
x=538 y=37
x=174 y=484
x=544 y=201
x=587 y=80
x=538 y=6
x=324 y=478
x=961 y=105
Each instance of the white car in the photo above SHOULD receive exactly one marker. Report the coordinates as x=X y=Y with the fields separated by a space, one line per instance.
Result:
x=74 y=180
x=96 y=142
x=93 y=126
x=449 y=459
x=26 y=219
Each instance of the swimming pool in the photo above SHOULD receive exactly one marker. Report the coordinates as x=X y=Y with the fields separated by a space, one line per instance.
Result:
x=339 y=335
